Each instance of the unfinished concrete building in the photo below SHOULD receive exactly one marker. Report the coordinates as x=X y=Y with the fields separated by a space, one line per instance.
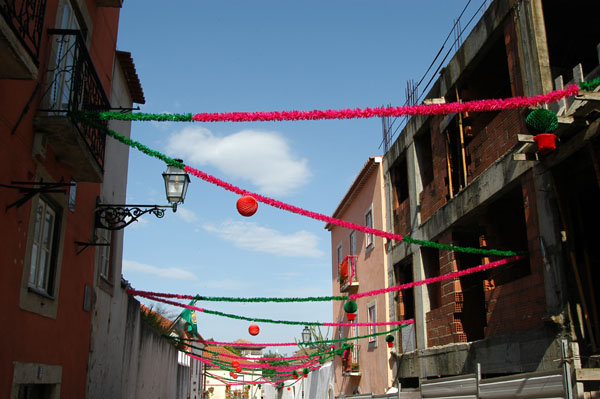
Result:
x=475 y=180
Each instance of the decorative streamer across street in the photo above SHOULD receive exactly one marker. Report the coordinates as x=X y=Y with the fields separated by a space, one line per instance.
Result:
x=354 y=113
x=430 y=280
x=325 y=341
x=262 y=320
x=84 y=118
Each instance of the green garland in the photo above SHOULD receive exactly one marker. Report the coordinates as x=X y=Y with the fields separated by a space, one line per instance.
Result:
x=140 y=116
x=87 y=118
x=590 y=85
x=448 y=247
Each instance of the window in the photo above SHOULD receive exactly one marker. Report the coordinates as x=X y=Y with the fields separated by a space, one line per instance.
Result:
x=372 y=318
x=34 y=381
x=369 y=224
x=65 y=58
x=352 y=242
x=340 y=256
x=41 y=271
x=103 y=253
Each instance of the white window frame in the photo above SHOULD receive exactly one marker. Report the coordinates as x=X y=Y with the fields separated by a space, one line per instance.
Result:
x=372 y=318
x=352 y=240
x=42 y=248
x=369 y=237
x=339 y=252
x=103 y=253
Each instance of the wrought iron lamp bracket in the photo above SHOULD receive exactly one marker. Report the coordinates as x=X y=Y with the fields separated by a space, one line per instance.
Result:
x=117 y=217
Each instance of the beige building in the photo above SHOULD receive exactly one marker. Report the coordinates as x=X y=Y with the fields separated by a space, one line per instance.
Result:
x=359 y=264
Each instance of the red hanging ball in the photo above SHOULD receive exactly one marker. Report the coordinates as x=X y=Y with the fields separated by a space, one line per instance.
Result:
x=253 y=329
x=289 y=388
x=238 y=369
x=351 y=316
x=247 y=205
x=235 y=364
x=390 y=344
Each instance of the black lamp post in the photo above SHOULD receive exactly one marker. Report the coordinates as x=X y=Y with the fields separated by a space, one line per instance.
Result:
x=117 y=217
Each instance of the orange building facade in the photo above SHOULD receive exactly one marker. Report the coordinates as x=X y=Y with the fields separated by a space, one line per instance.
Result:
x=57 y=57
x=359 y=264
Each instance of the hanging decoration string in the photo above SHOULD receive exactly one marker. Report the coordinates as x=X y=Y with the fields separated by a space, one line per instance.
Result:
x=274 y=360
x=590 y=85
x=261 y=320
x=325 y=341
x=432 y=280
x=426 y=281
x=354 y=113
x=240 y=299
x=282 y=205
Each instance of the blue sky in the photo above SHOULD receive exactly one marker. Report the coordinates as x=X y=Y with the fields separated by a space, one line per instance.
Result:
x=221 y=56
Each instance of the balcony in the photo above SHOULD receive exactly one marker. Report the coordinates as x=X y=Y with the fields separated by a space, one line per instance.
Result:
x=347 y=273
x=72 y=84
x=21 y=24
x=350 y=362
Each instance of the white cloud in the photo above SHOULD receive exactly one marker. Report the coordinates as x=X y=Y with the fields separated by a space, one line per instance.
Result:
x=186 y=215
x=261 y=157
x=165 y=272
x=249 y=235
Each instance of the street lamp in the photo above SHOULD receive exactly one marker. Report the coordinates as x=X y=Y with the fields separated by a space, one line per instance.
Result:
x=306 y=335
x=176 y=184
x=117 y=217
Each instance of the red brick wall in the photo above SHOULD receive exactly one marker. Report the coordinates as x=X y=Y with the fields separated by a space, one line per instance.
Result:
x=443 y=324
x=514 y=306
x=402 y=218
x=433 y=196
x=520 y=304
x=496 y=139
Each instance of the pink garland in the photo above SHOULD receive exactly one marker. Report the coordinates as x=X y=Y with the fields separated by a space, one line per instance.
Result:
x=438 y=278
x=433 y=109
x=290 y=208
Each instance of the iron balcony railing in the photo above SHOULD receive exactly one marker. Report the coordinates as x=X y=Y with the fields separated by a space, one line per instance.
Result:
x=73 y=85
x=26 y=19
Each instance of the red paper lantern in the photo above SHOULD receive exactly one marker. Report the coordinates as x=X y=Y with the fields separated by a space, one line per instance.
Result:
x=351 y=316
x=234 y=375
x=238 y=369
x=253 y=329
x=247 y=205
x=235 y=364
x=390 y=344
x=289 y=388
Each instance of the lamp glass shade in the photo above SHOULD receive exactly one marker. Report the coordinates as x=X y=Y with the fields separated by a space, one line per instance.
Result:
x=176 y=184
x=306 y=334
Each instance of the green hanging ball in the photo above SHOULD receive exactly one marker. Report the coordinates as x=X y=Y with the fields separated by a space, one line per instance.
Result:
x=389 y=338
x=305 y=371
x=541 y=121
x=350 y=307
